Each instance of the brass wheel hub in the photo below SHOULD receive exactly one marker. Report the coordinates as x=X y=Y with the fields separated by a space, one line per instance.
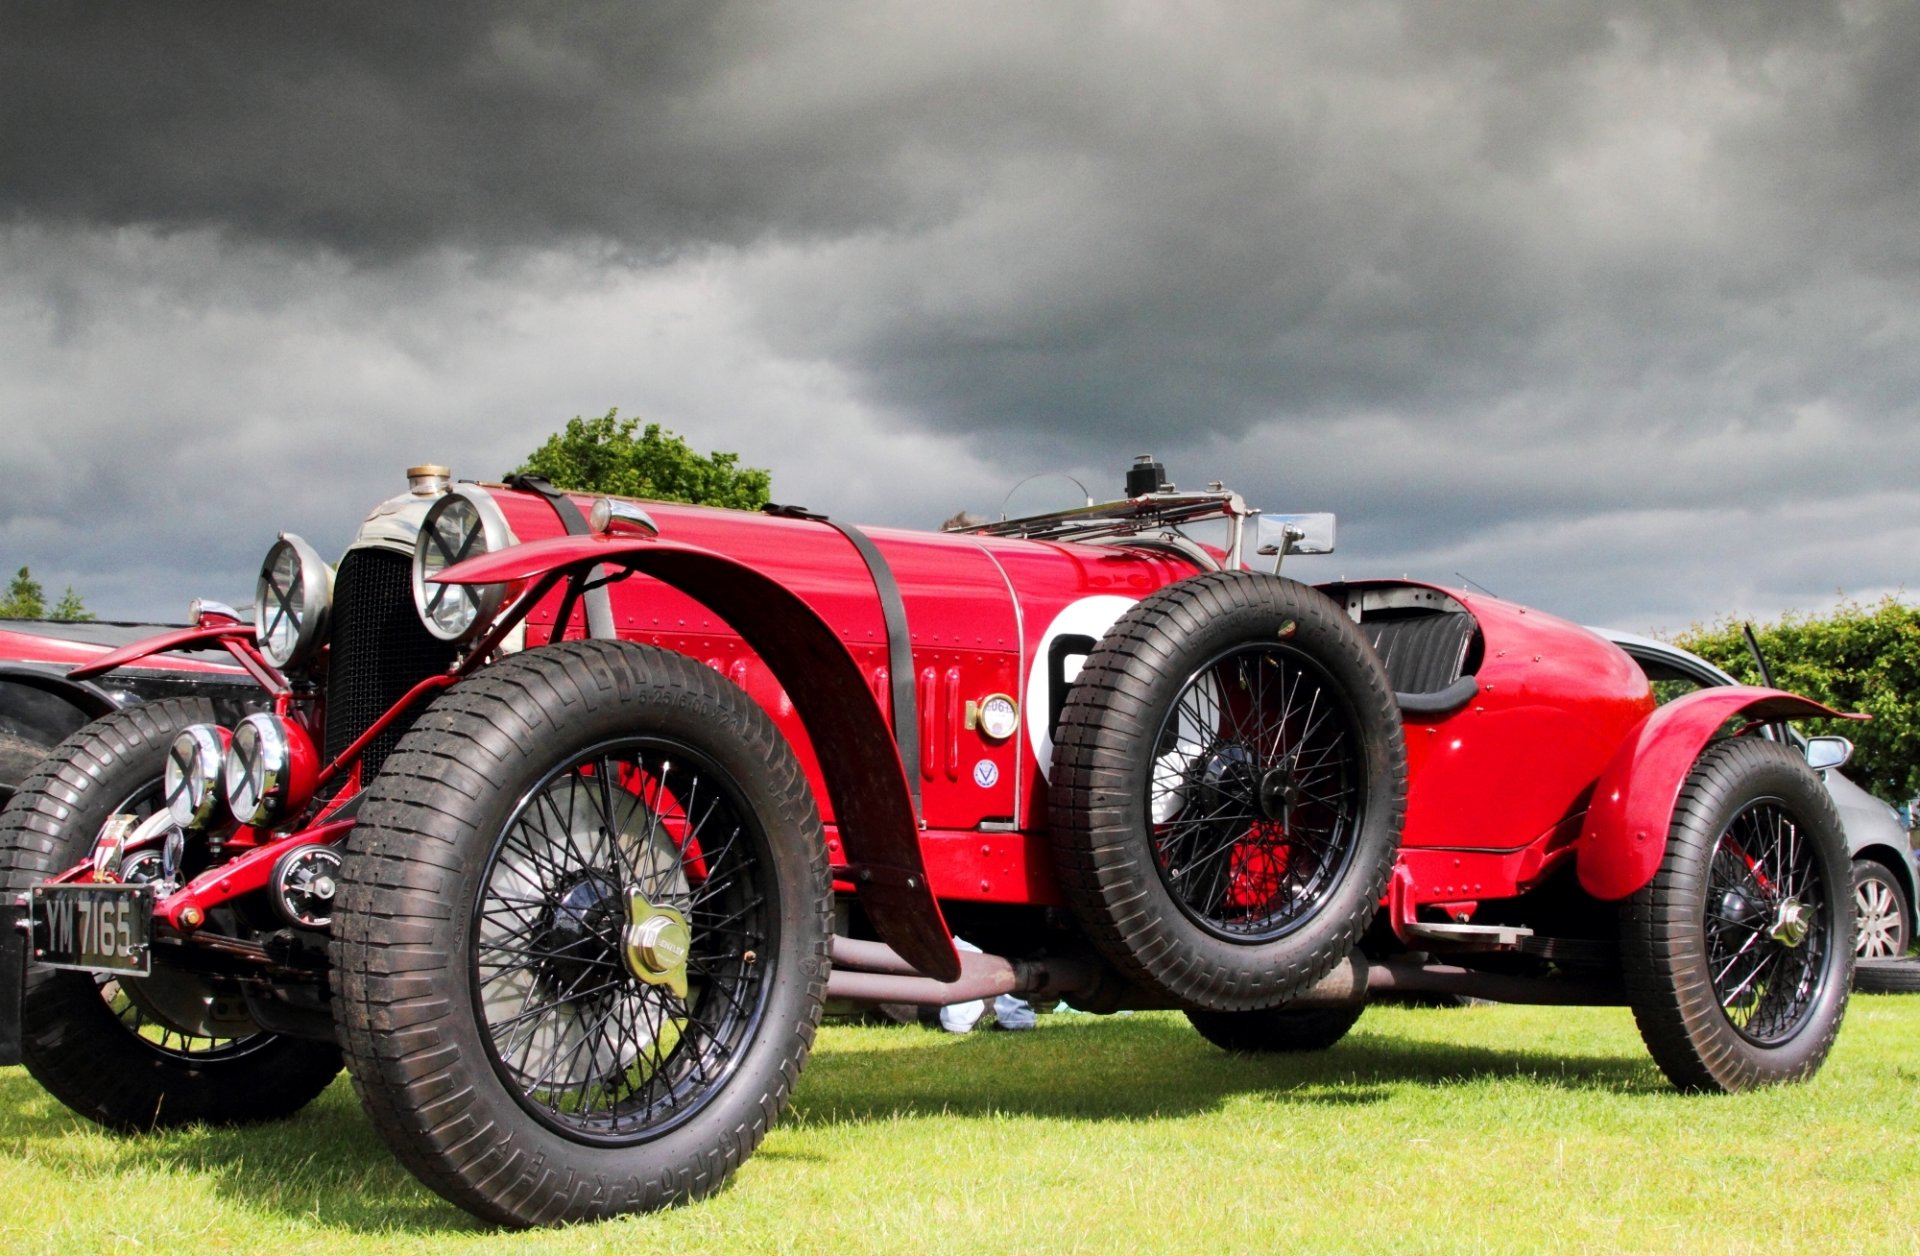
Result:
x=655 y=943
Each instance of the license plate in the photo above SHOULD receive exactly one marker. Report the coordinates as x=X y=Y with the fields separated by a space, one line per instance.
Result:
x=97 y=928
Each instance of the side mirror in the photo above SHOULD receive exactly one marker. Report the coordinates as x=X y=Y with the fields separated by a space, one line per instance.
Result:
x=1828 y=752
x=1293 y=534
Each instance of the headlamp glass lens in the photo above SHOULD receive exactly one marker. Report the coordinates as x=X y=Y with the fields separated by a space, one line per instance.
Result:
x=291 y=601
x=282 y=598
x=191 y=780
x=456 y=533
x=255 y=769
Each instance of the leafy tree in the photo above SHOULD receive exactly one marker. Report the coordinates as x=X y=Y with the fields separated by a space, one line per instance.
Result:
x=1859 y=658
x=604 y=455
x=25 y=598
x=70 y=607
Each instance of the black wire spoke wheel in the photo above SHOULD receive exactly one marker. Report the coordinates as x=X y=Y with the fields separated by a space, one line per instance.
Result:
x=580 y=943
x=1738 y=953
x=591 y=1048
x=134 y=1053
x=1253 y=792
x=1766 y=942
x=1228 y=784
x=181 y=1015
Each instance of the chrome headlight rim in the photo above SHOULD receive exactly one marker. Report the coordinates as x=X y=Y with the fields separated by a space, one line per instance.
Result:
x=464 y=523
x=291 y=603
x=270 y=770
x=194 y=775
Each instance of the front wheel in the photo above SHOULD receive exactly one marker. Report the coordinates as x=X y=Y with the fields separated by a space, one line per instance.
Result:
x=581 y=942
x=1738 y=953
x=138 y=1053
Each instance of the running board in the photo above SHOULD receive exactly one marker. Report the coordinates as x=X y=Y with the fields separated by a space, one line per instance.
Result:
x=1466 y=935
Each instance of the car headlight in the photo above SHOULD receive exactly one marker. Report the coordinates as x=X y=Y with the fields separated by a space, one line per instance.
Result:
x=464 y=524
x=291 y=602
x=191 y=780
x=271 y=770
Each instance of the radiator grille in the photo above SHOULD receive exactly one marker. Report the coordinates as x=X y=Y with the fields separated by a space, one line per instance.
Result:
x=380 y=650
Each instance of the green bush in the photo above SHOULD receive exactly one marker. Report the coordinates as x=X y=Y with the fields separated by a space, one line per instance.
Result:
x=1856 y=659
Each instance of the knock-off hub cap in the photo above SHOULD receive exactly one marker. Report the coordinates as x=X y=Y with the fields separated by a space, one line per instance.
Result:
x=1790 y=923
x=655 y=943
x=1278 y=792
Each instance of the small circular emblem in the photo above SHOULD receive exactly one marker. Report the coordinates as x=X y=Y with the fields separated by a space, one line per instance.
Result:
x=986 y=774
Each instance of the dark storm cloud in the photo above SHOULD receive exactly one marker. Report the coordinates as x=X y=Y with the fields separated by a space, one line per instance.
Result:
x=1113 y=220
x=1475 y=274
x=376 y=128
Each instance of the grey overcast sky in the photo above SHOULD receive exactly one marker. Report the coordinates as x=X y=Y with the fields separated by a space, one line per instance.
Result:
x=1613 y=308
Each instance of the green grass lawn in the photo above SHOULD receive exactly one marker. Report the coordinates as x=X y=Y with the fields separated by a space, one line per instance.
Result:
x=1476 y=1129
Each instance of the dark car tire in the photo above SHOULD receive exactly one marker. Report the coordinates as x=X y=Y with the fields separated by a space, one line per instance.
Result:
x=1883 y=919
x=480 y=921
x=1723 y=1001
x=1276 y=1029
x=84 y=1038
x=1887 y=976
x=1216 y=846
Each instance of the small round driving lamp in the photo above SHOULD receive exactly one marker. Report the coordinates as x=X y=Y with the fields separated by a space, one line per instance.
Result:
x=191 y=780
x=465 y=523
x=617 y=516
x=291 y=602
x=271 y=770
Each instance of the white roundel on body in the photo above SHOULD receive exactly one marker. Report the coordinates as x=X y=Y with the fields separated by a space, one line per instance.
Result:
x=1088 y=617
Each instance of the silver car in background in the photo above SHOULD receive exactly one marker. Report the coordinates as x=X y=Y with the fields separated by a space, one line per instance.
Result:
x=1884 y=878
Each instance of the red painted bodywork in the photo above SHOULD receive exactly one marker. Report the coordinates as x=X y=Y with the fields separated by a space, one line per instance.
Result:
x=1560 y=757
x=977 y=609
x=1497 y=791
x=1626 y=826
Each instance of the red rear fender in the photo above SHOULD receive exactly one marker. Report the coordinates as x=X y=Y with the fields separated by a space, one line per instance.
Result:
x=1625 y=834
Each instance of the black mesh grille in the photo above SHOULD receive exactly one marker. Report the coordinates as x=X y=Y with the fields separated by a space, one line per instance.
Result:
x=380 y=650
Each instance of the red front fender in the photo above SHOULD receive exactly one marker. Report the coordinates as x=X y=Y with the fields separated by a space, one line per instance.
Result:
x=1625 y=834
x=858 y=759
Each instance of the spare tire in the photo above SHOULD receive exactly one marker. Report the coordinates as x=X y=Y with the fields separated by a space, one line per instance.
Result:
x=1229 y=781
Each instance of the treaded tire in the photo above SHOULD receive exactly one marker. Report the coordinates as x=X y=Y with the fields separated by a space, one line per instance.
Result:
x=1887 y=976
x=1276 y=1029
x=1883 y=919
x=456 y=899
x=74 y=1042
x=1722 y=1003
x=1217 y=844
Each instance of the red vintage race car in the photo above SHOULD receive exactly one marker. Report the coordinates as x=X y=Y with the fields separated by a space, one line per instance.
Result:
x=569 y=817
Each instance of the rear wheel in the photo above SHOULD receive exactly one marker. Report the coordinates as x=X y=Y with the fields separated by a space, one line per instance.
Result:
x=1737 y=955
x=581 y=943
x=137 y=1053
x=1277 y=1029
x=1228 y=782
